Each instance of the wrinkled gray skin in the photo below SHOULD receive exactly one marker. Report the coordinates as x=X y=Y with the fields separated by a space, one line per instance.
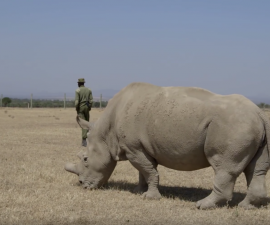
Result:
x=180 y=128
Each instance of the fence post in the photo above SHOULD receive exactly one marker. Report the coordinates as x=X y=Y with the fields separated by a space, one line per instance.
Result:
x=31 y=100
x=1 y=100
x=100 y=101
x=65 y=101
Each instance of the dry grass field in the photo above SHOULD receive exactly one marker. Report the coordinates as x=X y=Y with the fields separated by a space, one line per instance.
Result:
x=35 y=144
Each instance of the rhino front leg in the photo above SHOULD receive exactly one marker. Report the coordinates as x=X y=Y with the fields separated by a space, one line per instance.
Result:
x=142 y=185
x=147 y=167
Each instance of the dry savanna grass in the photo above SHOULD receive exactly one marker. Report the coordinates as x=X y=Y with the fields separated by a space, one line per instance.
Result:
x=35 y=144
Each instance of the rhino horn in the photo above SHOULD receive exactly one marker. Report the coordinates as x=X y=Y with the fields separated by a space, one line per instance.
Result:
x=71 y=167
x=80 y=155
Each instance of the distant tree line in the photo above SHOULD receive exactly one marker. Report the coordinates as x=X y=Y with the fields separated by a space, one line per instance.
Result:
x=43 y=103
x=263 y=105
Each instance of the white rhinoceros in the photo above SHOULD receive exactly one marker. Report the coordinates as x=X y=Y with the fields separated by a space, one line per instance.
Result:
x=181 y=128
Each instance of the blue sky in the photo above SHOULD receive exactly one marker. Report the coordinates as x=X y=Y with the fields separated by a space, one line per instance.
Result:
x=220 y=45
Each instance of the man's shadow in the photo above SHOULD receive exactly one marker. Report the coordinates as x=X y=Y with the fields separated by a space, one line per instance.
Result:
x=191 y=194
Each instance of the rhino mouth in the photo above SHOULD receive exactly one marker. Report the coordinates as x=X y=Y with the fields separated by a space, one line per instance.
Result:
x=90 y=185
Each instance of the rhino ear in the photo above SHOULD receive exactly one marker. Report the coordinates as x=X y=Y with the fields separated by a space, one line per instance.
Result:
x=92 y=125
x=84 y=124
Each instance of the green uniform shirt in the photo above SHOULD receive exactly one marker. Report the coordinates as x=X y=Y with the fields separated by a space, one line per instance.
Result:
x=83 y=95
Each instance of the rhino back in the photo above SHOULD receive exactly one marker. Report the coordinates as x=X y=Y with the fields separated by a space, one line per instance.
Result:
x=169 y=123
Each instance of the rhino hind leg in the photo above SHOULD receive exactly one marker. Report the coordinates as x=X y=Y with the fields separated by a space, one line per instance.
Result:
x=222 y=192
x=255 y=175
x=147 y=167
x=230 y=152
x=142 y=185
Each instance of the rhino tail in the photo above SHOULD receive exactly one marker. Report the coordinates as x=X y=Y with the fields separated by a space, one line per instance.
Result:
x=267 y=131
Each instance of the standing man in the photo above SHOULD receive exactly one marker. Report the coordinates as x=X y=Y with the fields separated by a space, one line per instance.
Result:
x=83 y=104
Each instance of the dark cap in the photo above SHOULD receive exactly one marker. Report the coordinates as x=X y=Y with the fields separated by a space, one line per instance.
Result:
x=81 y=80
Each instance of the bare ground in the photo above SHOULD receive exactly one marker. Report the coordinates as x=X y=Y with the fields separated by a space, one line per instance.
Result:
x=35 y=189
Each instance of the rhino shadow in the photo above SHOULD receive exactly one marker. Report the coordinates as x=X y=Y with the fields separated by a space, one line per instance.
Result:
x=191 y=194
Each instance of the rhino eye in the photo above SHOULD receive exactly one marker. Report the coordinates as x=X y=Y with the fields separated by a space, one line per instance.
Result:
x=85 y=159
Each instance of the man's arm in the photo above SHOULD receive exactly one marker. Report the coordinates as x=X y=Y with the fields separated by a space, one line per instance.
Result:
x=91 y=99
x=77 y=97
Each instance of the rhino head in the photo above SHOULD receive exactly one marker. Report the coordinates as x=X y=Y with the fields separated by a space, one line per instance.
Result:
x=96 y=164
x=93 y=170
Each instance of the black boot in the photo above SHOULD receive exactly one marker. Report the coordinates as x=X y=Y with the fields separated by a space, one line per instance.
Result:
x=84 y=143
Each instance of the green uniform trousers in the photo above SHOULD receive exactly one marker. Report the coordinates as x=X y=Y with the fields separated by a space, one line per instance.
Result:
x=83 y=113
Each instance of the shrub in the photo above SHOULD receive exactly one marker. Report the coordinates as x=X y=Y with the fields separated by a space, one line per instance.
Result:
x=6 y=101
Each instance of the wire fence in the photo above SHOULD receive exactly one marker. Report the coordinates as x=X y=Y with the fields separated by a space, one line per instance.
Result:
x=63 y=102
x=57 y=102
